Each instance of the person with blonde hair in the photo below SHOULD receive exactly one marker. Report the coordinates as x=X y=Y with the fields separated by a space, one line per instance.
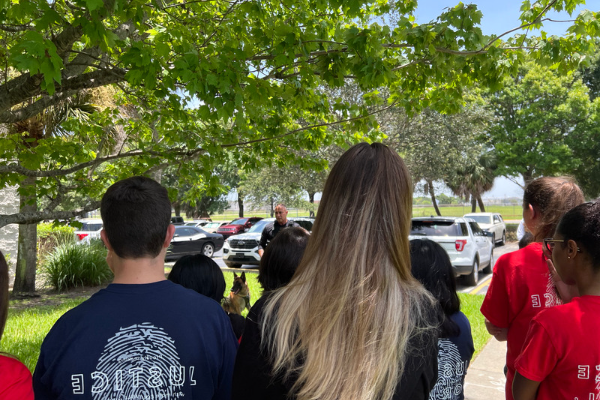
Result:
x=353 y=323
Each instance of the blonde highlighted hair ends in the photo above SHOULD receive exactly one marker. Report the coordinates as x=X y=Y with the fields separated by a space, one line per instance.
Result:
x=341 y=328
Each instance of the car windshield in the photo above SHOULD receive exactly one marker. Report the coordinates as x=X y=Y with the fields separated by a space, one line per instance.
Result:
x=481 y=219
x=191 y=224
x=240 y=221
x=259 y=226
x=212 y=225
x=90 y=227
x=434 y=228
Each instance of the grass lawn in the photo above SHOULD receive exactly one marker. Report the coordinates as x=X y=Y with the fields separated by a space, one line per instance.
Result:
x=27 y=326
x=470 y=305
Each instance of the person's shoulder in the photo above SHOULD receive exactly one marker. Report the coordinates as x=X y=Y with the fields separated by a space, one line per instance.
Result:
x=460 y=318
x=12 y=366
x=269 y=226
x=292 y=223
x=522 y=256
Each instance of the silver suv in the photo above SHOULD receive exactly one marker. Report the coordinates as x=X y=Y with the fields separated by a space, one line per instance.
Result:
x=470 y=248
x=491 y=222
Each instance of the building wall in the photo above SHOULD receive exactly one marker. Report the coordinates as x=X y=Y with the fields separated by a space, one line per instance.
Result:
x=9 y=204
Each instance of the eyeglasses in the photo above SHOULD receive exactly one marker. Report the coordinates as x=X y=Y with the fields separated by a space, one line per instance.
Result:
x=549 y=244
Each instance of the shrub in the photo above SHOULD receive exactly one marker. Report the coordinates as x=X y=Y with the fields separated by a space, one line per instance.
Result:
x=71 y=265
x=50 y=236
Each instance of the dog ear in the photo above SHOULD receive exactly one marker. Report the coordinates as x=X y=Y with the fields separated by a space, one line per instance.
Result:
x=234 y=275
x=244 y=277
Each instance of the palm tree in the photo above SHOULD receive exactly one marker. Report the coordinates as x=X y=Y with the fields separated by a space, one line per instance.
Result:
x=472 y=180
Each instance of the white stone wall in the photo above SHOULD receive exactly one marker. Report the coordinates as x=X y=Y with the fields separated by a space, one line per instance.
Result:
x=9 y=204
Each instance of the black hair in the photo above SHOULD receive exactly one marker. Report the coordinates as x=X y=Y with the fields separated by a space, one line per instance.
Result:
x=3 y=292
x=526 y=240
x=282 y=257
x=201 y=274
x=582 y=224
x=431 y=266
x=136 y=213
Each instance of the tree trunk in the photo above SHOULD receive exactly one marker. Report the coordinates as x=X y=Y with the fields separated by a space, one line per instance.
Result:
x=473 y=204
x=433 y=200
x=272 y=208
x=177 y=208
x=241 y=204
x=480 y=202
x=311 y=199
x=27 y=244
x=527 y=177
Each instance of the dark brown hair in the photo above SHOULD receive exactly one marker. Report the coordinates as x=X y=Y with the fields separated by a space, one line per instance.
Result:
x=136 y=213
x=551 y=197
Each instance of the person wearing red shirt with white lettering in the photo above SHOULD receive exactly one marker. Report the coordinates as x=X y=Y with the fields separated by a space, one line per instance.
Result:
x=521 y=285
x=15 y=378
x=561 y=355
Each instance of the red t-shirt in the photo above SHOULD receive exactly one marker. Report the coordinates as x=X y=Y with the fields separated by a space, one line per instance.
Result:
x=15 y=380
x=562 y=351
x=521 y=287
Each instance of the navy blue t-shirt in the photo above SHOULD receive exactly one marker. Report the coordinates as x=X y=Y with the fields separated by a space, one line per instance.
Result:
x=454 y=356
x=139 y=342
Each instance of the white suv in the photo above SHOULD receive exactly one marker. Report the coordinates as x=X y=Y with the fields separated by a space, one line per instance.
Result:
x=469 y=248
x=243 y=248
x=491 y=222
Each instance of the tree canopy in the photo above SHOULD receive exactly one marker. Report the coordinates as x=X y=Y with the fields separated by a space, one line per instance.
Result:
x=196 y=79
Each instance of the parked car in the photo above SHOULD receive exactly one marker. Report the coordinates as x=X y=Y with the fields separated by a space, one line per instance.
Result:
x=491 y=222
x=200 y=223
x=469 y=248
x=238 y=225
x=213 y=226
x=243 y=248
x=90 y=229
x=193 y=240
x=177 y=220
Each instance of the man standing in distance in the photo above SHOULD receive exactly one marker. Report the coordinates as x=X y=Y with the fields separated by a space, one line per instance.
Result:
x=272 y=228
x=143 y=336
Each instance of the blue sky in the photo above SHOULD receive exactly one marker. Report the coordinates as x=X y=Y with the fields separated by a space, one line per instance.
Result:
x=498 y=16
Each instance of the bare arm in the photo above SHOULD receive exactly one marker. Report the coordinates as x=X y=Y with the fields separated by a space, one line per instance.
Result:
x=523 y=388
x=501 y=334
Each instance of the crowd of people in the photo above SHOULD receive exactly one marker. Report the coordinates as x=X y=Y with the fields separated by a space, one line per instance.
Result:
x=352 y=310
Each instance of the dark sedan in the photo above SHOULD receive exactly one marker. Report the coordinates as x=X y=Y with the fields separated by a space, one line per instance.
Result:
x=193 y=240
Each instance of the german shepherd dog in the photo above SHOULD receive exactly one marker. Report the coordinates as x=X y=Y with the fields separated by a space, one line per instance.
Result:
x=239 y=296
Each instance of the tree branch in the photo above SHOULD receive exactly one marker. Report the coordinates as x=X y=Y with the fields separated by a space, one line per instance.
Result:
x=38 y=216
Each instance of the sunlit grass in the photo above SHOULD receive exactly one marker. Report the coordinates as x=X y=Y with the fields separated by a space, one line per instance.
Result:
x=26 y=329
x=470 y=305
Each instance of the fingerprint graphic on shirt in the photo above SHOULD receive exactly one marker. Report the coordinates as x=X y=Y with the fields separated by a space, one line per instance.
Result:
x=450 y=372
x=139 y=362
x=551 y=296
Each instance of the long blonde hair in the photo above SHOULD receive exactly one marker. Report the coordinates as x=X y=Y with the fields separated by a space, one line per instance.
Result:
x=341 y=328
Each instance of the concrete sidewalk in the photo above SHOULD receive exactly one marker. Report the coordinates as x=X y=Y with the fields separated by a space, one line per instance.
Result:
x=485 y=377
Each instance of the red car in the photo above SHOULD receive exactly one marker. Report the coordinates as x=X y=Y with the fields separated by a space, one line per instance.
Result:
x=238 y=225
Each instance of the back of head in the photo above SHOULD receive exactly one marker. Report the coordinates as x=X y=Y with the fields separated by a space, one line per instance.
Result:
x=3 y=293
x=136 y=213
x=582 y=224
x=432 y=267
x=526 y=240
x=281 y=258
x=551 y=197
x=201 y=274
x=352 y=285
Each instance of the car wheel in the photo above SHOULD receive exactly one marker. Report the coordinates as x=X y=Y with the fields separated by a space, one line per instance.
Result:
x=208 y=250
x=232 y=264
x=503 y=242
x=488 y=268
x=473 y=277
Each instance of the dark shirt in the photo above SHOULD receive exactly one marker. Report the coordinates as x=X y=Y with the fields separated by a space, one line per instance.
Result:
x=271 y=230
x=158 y=339
x=253 y=380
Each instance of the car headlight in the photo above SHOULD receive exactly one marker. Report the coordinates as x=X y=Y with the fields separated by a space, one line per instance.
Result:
x=226 y=245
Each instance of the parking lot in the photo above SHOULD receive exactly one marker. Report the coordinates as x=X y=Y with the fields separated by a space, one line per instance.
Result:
x=481 y=288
